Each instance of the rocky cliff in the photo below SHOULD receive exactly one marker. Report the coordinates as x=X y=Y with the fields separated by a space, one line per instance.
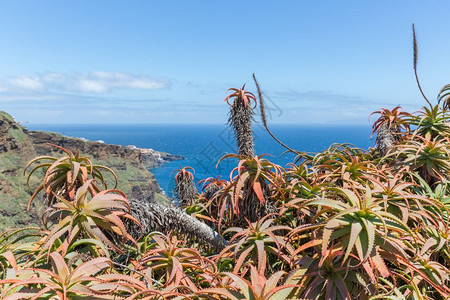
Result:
x=19 y=145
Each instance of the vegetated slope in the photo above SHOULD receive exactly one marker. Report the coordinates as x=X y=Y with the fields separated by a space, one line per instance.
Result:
x=19 y=145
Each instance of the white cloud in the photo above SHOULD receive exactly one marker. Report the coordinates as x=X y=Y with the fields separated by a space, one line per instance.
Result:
x=92 y=83
x=91 y=86
x=53 y=77
x=26 y=83
x=100 y=82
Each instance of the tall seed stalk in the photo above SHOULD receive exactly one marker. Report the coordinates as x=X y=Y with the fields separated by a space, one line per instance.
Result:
x=415 y=55
x=264 y=118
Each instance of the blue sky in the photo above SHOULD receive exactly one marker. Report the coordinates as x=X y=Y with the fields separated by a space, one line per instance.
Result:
x=324 y=62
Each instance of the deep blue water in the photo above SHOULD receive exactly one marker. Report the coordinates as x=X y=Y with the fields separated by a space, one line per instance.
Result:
x=203 y=145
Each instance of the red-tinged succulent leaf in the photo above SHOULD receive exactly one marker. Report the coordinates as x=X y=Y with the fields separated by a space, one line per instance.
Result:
x=307 y=245
x=91 y=267
x=35 y=193
x=379 y=264
x=60 y=266
x=354 y=234
x=9 y=256
x=240 y=95
x=262 y=258
x=237 y=191
x=243 y=286
x=328 y=230
x=242 y=258
x=257 y=188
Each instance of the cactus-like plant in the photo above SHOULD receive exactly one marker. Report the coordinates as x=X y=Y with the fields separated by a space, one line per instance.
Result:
x=240 y=119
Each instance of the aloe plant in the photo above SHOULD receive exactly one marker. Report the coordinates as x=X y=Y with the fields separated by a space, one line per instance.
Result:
x=173 y=263
x=185 y=190
x=388 y=127
x=100 y=217
x=444 y=97
x=247 y=195
x=426 y=155
x=261 y=243
x=61 y=281
x=432 y=122
x=258 y=287
x=240 y=119
x=64 y=175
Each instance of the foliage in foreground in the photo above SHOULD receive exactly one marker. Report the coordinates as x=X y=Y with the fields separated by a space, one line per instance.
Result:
x=345 y=223
x=341 y=224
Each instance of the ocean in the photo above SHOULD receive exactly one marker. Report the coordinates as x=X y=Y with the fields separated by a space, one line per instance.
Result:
x=203 y=145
